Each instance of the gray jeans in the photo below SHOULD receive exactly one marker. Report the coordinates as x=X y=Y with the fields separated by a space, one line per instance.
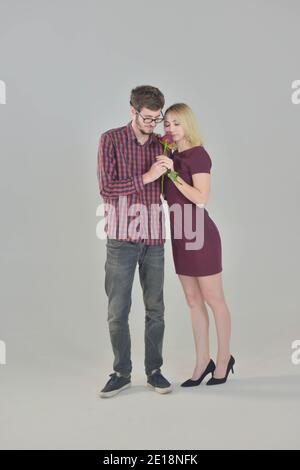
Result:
x=121 y=261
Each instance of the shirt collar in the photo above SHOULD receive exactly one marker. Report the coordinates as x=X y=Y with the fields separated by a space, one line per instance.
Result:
x=131 y=135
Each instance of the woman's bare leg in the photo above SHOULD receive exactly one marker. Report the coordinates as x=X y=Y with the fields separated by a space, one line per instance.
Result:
x=212 y=292
x=200 y=322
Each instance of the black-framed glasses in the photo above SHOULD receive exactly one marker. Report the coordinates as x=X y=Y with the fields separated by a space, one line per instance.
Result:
x=148 y=120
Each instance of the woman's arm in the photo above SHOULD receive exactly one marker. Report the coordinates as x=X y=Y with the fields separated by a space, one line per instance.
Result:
x=198 y=192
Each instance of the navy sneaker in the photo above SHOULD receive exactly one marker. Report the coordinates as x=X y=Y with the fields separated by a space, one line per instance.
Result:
x=116 y=384
x=157 y=382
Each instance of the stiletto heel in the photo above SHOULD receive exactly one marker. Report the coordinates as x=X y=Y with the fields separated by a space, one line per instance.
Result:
x=193 y=383
x=214 y=381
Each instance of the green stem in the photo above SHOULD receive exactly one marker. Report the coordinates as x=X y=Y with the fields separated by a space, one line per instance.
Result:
x=162 y=184
x=163 y=176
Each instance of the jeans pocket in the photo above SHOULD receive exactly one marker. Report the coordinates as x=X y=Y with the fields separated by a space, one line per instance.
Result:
x=114 y=243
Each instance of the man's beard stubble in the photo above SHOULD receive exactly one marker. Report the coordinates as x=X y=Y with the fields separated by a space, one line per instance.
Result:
x=143 y=131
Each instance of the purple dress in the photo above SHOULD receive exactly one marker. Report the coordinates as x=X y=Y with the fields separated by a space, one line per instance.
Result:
x=206 y=259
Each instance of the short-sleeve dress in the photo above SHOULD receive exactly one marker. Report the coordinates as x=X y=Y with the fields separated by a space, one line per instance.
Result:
x=200 y=255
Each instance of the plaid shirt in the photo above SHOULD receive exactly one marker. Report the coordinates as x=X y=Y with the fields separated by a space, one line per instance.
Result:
x=133 y=211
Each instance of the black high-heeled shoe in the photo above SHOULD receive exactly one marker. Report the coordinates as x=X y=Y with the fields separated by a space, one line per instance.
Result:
x=215 y=381
x=193 y=383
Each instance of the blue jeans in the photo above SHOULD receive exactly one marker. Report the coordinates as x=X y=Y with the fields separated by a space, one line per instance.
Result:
x=120 y=265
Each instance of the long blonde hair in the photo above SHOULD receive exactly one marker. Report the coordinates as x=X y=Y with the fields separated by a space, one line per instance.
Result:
x=188 y=121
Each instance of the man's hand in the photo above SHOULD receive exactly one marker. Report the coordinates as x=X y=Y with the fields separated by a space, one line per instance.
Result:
x=166 y=161
x=156 y=171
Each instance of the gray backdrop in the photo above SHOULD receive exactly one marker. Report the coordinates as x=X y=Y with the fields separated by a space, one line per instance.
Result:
x=69 y=67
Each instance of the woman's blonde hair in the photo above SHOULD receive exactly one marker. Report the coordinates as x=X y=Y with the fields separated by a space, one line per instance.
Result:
x=188 y=121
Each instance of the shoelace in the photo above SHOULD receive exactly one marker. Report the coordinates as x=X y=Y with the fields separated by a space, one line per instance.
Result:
x=112 y=377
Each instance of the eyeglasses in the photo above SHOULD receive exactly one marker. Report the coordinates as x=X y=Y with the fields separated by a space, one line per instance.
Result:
x=149 y=120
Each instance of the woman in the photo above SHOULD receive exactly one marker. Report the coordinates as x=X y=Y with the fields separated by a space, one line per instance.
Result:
x=199 y=270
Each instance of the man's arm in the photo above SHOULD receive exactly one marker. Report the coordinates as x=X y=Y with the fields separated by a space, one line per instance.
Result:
x=109 y=186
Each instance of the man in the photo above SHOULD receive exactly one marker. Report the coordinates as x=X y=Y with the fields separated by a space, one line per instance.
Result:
x=129 y=179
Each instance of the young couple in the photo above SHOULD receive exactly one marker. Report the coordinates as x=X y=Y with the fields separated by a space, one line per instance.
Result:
x=129 y=169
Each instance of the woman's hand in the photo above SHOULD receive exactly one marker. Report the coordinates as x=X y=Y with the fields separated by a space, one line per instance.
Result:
x=165 y=161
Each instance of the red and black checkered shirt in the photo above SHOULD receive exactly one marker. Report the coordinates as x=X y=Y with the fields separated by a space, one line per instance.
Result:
x=133 y=211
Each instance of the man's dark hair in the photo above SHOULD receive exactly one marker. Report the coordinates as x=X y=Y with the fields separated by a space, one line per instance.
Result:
x=146 y=96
